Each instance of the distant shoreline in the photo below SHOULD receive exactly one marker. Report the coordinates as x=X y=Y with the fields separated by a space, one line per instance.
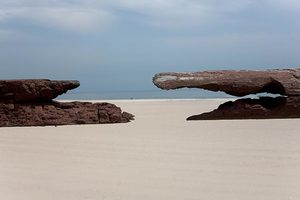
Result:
x=148 y=100
x=143 y=94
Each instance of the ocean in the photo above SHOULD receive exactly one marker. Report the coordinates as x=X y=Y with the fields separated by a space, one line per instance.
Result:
x=143 y=94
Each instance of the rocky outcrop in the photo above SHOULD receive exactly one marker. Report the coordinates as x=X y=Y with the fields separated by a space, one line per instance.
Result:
x=29 y=103
x=34 y=90
x=262 y=108
x=236 y=83
x=284 y=82
x=58 y=113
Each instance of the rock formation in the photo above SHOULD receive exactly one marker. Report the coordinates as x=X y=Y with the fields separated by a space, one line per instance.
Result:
x=29 y=103
x=237 y=83
x=284 y=82
x=31 y=90
x=262 y=108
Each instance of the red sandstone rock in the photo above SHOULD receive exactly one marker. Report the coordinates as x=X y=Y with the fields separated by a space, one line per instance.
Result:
x=29 y=103
x=262 y=108
x=34 y=90
x=237 y=83
x=57 y=113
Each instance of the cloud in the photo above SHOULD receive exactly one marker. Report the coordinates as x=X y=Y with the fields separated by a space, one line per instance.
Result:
x=57 y=14
x=179 y=13
x=165 y=13
x=90 y=15
x=72 y=19
x=290 y=4
x=95 y=15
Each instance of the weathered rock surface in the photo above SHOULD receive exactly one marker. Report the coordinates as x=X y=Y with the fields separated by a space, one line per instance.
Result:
x=285 y=82
x=58 y=113
x=29 y=103
x=262 y=108
x=34 y=90
x=237 y=83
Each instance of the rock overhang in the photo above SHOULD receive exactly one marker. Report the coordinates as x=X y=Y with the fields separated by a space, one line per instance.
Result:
x=240 y=83
x=29 y=102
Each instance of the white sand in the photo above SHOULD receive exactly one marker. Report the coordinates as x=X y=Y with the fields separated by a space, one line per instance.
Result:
x=157 y=156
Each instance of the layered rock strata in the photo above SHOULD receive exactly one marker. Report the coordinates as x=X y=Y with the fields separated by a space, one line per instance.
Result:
x=284 y=82
x=29 y=103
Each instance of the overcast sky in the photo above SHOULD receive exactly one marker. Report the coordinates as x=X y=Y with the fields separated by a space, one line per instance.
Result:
x=121 y=44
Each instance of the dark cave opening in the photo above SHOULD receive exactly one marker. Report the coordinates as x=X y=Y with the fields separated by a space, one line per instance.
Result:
x=274 y=87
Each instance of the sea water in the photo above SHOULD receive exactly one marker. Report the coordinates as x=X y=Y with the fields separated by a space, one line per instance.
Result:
x=143 y=94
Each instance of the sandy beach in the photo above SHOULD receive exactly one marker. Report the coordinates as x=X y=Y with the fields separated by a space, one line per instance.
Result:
x=159 y=155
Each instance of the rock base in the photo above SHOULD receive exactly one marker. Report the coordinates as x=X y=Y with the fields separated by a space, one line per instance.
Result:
x=58 y=113
x=262 y=108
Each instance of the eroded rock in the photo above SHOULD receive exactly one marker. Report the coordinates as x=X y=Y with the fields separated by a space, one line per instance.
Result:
x=284 y=82
x=34 y=90
x=236 y=83
x=262 y=108
x=58 y=113
x=29 y=103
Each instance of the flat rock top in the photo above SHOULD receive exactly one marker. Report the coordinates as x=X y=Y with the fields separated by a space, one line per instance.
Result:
x=234 y=82
x=26 y=90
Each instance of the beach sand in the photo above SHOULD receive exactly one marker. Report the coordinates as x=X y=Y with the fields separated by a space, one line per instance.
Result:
x=160 y=155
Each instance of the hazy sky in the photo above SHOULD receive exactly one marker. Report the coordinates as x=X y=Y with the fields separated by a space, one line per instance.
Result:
x=121 y=44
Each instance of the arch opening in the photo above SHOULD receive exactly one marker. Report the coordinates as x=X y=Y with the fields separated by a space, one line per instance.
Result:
x=274 y=87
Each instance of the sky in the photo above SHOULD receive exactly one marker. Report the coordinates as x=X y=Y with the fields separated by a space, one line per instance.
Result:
x=116 y=45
